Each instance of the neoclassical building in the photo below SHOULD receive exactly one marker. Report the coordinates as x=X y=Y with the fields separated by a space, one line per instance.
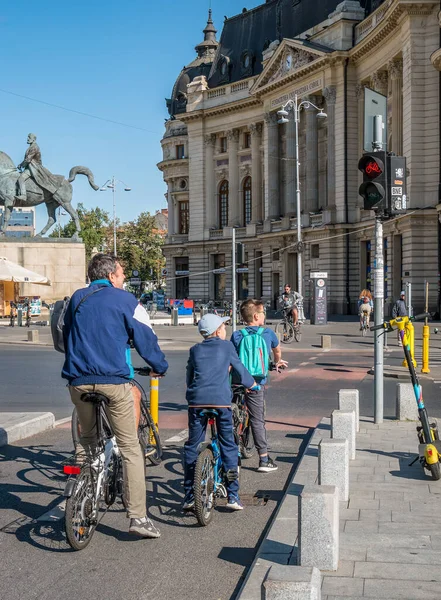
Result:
x=228 y=163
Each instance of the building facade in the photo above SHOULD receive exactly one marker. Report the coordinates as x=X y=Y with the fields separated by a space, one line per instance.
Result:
x=228 y=163
x=21 y=223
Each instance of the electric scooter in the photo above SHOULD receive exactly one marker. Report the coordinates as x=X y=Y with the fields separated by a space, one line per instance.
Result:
x=429 y=450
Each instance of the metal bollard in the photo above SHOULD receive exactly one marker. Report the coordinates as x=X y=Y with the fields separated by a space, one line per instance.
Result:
x=409 y=338
x=20 y=316
x=174 y=316
x=426 y=345
x=154 y=403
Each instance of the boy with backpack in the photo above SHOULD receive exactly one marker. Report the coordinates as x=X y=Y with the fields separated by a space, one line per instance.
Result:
x=254 y=344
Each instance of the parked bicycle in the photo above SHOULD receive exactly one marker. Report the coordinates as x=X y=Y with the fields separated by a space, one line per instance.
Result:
x=148 y=433
x=286 y=330
x=241 y=422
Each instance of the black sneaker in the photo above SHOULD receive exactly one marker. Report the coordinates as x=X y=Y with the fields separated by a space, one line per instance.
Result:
x=188 y=501
x=144 y=528
x=267 y=466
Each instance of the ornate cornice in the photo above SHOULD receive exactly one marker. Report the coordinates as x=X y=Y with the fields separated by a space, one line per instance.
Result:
x=232 y=107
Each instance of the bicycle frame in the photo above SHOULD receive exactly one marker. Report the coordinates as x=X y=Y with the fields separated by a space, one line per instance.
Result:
x=219 y=487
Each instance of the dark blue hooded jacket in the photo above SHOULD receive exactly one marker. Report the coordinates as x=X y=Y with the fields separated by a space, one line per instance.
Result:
x=96 y=337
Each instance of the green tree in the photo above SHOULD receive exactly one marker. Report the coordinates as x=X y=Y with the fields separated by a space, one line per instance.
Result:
x=95 y=224
x=139 y=246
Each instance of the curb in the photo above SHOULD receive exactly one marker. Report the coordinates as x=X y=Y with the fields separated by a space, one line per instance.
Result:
x=31 y=424
x=25 y=343
x=401 y=374
x=279 y=546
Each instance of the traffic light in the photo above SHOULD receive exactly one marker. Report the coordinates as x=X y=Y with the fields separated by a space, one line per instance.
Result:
x=374 y=186
x=396 y=176
x=240 y=254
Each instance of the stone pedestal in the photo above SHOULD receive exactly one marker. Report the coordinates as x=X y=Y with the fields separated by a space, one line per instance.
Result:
x=334 y=466
x=406 y=406
x=293 y=583
x=349 y=400
x=343 y=427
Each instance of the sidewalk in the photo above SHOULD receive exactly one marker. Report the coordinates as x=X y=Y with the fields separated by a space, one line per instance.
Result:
x=390 y=529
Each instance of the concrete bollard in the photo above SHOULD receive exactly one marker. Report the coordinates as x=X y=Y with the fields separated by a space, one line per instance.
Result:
x=406 y=406
x=326 y=342
x=349 y=400
x=343 y=427
x=33 y=336
x=293 y=583
x=319 y=527
x=333 y=466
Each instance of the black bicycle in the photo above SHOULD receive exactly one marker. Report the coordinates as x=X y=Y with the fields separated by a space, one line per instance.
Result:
x=286 y=330
x=241 y=422
x=148 y=433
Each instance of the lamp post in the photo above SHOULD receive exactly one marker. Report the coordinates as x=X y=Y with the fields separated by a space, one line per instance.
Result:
x=111 y=184
x=283 y=118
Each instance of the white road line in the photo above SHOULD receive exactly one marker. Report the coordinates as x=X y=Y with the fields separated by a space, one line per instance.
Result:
x=55 y=514
x=62 y=421
x=180 y=437
x=303 y=364
x=313 y=357
x=326 y=350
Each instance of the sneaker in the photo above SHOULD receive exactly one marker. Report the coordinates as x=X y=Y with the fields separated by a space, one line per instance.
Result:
x=234 y=503
x=149 y=450
x=266 y=466
x=144 y=528
x=188 y=501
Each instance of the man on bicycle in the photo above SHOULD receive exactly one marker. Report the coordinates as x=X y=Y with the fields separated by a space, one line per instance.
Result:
x=289 y=301
x=96 y=338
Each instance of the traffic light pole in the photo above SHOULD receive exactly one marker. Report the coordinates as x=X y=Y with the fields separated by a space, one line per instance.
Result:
x=378 y=319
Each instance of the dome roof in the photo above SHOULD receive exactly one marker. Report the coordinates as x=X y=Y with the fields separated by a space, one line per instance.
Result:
x=201 y=65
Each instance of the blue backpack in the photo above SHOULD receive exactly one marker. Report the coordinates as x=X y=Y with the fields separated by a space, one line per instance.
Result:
x=253 y=352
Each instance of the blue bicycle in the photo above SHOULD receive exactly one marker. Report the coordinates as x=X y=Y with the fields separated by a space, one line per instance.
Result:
x=210 y=477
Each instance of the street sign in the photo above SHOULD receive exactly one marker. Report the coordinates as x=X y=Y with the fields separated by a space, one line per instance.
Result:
x=135 y=281
x=182 y=272
x=318 y=275
x=242 y=270
x=164 y=272
x=135 y=273
x=219 y=271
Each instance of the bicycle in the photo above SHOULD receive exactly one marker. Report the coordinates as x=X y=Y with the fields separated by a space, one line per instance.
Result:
x=429 y=454
x=148 y=433
x=241 y=422
x=210 y=477
x=364 y=323
x=286 y=330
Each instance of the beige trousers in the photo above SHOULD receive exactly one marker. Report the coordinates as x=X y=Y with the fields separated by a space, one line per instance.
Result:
x=121 y=413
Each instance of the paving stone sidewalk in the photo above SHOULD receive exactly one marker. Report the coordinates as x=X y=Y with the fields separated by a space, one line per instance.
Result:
x=390 y=529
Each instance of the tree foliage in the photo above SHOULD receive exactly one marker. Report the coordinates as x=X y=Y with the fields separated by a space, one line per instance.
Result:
x=95 y=224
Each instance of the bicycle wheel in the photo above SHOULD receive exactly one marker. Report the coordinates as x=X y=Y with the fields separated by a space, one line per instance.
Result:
x=148 y=436
x=297 y=333
x=285 y=332
x=75 y=428
x=204 y=487
x=364 y=330
x=81 y=516
x=246 y=444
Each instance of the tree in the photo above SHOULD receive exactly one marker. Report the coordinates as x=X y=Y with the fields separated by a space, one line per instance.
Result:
x=95 y=224
x=139 y=247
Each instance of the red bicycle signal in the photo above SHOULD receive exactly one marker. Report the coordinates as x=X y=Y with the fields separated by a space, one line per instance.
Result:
x=373 y=169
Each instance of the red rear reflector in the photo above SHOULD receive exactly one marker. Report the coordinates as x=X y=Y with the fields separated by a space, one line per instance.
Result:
x=211 y=421
x=71 y=469
x=430 y=452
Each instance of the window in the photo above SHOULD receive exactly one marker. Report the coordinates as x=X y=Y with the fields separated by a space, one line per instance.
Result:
x=247 y=139
x=247 y=200
x=223 y=145
x=276 y=254
x=180 y=151
x=223 y=204
x=315 y=251
x=184 y=217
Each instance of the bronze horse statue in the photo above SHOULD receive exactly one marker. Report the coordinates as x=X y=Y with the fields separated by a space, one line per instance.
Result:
x=36 y=195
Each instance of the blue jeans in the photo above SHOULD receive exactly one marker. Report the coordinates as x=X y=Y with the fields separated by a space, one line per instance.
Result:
x=197 y=426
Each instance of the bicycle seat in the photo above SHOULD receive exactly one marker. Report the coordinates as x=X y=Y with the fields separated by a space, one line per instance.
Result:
x=94 y=398
x=210 y=413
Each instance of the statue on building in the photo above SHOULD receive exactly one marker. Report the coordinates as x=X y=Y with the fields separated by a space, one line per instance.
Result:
x=31 y=184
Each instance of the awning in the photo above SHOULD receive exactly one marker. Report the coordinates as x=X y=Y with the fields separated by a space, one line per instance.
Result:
x=10 y=271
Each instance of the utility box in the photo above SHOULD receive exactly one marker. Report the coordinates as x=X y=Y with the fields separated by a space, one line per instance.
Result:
x=319 y=298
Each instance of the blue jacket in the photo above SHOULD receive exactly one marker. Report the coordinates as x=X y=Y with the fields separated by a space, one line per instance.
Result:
x=208 y=373
x=270 y=338
x=97 y=337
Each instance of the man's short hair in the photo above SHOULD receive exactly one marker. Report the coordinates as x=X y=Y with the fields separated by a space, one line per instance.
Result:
x=101 y=265
x=287 y=285
x=248 y=308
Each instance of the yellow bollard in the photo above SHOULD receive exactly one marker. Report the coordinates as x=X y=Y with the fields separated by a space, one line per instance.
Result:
x=426 y=337
x=154 y=403
x=409 y=338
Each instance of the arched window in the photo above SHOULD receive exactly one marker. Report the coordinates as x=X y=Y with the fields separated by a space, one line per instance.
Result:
x=247 y=200
x=223 y=204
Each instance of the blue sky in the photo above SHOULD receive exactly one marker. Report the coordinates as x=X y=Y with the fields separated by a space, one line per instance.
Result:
x=114 y=59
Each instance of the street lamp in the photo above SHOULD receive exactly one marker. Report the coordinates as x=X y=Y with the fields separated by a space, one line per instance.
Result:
x=283 y=118
x=111 y=184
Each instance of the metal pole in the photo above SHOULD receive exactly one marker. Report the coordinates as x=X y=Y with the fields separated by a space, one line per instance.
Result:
x=114 y=215
x=299 y=217
x=379 y=318
x=233 y=279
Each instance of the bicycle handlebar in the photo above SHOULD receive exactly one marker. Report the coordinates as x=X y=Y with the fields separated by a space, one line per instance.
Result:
x=143 y=371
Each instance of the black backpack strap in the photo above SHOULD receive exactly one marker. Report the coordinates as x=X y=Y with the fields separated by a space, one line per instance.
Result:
x=87 y=296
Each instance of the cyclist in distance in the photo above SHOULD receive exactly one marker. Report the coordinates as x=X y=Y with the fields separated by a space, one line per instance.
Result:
x=365 y=303
x=99 y=322
x=289 y=300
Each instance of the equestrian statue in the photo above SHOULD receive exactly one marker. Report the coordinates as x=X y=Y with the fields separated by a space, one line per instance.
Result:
x=31 y=184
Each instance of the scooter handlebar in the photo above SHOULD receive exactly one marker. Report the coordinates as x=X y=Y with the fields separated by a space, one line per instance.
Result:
x=421 y=317
x=376 y=327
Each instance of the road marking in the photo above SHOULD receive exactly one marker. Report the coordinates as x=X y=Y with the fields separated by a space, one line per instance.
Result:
x=327 y=350
x=55 y=514
x=313 y=357
x=180 y=437
x=62 y=421
x=303 y=364
x=437 y=382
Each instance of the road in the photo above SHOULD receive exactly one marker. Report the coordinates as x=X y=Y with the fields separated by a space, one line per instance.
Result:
x=188 y=561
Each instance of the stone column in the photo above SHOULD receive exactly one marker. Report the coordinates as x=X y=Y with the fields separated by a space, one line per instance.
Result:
x=175 y=204
x=171 y=211
x=210 y=183
x=289 y=207
x=233 y=178
x=311 y=203
x=359 y=91
x=256 y=173
x=396 y=75
x=330 y=94
x=272 y=203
